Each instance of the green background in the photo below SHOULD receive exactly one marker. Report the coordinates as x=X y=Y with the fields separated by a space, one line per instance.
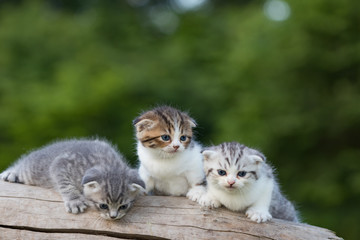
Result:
x=289 y=88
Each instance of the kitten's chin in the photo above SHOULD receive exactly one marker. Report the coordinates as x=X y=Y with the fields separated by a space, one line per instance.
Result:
x=229 y=189
x=169 y=153
x=107 y=217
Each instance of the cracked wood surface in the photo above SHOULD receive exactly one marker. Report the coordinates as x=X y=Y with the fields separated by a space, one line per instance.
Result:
x=29 y=212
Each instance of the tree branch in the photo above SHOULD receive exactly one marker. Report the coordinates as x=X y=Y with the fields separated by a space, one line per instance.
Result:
x=29 y=212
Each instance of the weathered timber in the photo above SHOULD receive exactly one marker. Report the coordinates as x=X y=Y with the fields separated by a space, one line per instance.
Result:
x=29 y=212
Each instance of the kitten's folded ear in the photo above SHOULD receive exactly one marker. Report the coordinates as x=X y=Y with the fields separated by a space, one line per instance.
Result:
x=89 y=181
x=257 y=157
x=208 y=154
x=91 y=174
x=136 y=189
x=91 y=187
x=192 y=123
x=142 y=124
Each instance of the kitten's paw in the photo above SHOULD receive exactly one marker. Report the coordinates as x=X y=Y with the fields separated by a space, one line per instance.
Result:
x=9 y=176
x=206 y=201
x=258 y=216
x=76 y=206
x=196 y=193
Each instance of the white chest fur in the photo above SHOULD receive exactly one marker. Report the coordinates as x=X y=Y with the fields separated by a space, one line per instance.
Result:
x=248 y=196
x=174 y=175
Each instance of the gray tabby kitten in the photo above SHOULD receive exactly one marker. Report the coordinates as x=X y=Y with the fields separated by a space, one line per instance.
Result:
x=85 y=172
x=239 y=178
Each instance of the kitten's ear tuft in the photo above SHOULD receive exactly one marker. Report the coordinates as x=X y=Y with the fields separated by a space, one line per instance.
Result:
x=142 y=124
x=91 y=187
x=192 y=123
x=136 y=189
x=208 y=154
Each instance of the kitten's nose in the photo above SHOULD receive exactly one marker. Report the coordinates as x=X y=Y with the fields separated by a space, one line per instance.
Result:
x=231 y=182
x=113 y=214
x=176 y=147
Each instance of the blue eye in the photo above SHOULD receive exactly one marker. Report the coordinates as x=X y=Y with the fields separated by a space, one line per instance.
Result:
x=123 y=207
x=103 y=206
x=221 y=172
x=242 y=173
x=165 y=137
x=183 y=138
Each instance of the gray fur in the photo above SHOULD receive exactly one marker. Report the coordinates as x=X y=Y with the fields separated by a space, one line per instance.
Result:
x=281 y=207
x=72 y=166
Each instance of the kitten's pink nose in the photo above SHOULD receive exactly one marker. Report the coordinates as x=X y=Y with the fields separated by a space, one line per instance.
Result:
x=176 y=147
x=231 y=182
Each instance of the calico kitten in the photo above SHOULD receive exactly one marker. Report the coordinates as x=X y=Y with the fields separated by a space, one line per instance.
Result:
x=85 y=172
x=239 y=178
x=170 y=159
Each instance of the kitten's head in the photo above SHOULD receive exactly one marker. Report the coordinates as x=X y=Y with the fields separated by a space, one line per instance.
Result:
x=232 y=166
x=164 y=129
x=112 y=191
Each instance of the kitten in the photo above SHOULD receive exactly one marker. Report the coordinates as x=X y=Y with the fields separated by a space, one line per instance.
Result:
x=239 y=178
x=170 y=159
x=85 y=172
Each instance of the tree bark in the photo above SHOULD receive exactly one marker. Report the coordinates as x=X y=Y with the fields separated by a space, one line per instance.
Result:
x=29 y=212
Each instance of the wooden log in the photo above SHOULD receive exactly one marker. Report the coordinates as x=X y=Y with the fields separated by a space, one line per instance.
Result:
x=29 y=212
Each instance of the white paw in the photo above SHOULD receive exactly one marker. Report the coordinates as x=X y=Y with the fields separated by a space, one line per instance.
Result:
x=76 y=206
x=196 y=193
x=10 y=177
x=206 y=201
x=258 y=215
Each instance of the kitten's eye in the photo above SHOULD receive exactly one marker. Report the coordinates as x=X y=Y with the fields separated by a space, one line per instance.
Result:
x=123 y=207
x=103 y=206
x=242 y=173
x=183 y=138
x=221 y=172
x=165 y=137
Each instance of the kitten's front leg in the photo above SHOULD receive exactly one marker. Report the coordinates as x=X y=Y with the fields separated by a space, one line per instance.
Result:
x=258 y=215
x=259 y=210
x=208 y=200
x=75 y=206
x=10 y=176
x=148 y=180
x=196 y=180
x=196 y=192
x=75 y=202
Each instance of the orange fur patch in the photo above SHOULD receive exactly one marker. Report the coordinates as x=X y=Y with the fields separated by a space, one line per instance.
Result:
x=161 y=121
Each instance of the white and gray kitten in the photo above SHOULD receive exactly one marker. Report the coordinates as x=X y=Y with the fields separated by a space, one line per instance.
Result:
x=85 y=173
x=239 y=178
x=170 y=159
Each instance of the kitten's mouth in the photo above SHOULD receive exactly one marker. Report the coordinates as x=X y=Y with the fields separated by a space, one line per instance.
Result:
x=172 y=151
x=107 y=217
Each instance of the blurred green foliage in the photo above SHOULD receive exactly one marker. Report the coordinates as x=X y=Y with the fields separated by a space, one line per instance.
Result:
x=290 y=88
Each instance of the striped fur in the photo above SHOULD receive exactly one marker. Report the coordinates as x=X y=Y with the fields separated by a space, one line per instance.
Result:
x=160 y=121
x=85 y=172
x=239 y=178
